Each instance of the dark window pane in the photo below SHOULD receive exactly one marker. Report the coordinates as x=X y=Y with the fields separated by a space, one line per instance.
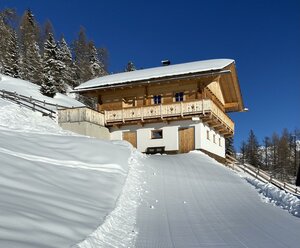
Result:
x=156 y=134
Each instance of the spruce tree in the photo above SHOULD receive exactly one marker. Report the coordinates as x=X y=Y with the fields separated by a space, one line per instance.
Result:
x=96 y=68
x=11 y=58
x=252 y=150
x=52 y=68
x=80 y=49
x=68 y=72
x=229 y=148
x=30 y=51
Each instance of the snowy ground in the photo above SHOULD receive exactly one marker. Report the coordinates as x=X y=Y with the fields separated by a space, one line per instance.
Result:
x=59 y=189
x=191 y=201
x=56 y=188
x=28 y=89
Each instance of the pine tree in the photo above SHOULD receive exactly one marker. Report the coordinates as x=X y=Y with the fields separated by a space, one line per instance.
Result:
x=243 y=152
x=30 y=51
x=229 y=148
x=68 y=73
x=96 y=68
x=9 y=59
x=80 y=49
x=48 y=29
x=52 y=68
x=274 y=154
x=266 y=150
x=252 y=147
x=130 y=66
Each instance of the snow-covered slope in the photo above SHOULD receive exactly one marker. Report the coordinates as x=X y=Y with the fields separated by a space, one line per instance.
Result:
x=192 y=201
x=28 y=89
x=56 y=187
x=59 y=189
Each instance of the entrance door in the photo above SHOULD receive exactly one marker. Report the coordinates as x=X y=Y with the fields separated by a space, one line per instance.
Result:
x=186 y=138
x=130 y=137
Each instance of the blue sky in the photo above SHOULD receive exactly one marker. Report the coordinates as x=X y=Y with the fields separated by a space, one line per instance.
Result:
x=263 y=37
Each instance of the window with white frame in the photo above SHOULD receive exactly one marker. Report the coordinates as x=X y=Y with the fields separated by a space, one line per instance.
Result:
x=207 y=134
x=157 y=99
x=179 y=97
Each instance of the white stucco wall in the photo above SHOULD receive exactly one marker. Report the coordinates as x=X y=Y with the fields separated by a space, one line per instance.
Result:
x=210 y=145
x=170 y=136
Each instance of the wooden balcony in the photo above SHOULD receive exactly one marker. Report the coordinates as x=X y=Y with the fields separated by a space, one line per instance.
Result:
x=206 y=109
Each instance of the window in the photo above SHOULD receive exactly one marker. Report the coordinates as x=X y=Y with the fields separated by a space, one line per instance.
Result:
x=214 y=138
x=156 y=134
x=219 y=141
x=207 y=134
x=179 y=96
x=157 y=99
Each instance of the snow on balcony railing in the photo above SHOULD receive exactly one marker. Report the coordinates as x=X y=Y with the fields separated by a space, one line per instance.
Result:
x=80 y=115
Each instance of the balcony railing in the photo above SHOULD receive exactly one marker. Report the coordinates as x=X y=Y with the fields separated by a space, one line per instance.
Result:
x=81 y=114
x=204 y=107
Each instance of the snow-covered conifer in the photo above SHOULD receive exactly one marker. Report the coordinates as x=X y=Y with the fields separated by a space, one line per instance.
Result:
x=68 y=72
x=52 y=67
x=30 y=51
x=96 y=68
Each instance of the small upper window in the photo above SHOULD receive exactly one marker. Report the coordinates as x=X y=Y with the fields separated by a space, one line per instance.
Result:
x=156 y=134
x=207 y=134
x=157 y=99
x=219 y=141
x=179 y=96
x=214 y=138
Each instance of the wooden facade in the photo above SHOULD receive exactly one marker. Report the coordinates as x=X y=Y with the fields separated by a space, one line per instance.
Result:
x=134 y=104
x=205 y=96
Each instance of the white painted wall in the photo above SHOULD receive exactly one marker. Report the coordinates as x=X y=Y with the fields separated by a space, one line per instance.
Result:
x=170 y=136
x=209 y=145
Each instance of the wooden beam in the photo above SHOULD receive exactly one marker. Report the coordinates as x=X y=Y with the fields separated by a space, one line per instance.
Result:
x=231 y=105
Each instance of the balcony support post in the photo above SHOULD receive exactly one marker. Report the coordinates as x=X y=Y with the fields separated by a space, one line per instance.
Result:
x=181 y=109
x=142 y=114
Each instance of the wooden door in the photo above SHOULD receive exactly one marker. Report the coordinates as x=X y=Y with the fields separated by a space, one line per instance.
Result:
x=186 y=138
x=130 y=137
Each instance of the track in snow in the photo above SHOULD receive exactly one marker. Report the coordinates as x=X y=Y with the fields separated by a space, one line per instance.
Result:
x=190 y=201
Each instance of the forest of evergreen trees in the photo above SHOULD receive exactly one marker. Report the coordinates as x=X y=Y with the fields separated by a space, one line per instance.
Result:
x=278 y=154
x=31 y=52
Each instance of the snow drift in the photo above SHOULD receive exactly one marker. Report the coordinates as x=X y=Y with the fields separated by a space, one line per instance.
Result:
x=274 y=195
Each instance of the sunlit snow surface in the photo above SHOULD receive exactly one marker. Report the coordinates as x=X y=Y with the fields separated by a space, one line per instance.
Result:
x=59 y=189
x=56 y=188
x=29 y=89
x=192 y=201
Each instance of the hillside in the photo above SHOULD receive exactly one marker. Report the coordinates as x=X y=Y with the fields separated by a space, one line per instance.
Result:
x=59 y=189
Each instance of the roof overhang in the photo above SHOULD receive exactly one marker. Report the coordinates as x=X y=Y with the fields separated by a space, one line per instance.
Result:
x=230 y=87
x=187 y=76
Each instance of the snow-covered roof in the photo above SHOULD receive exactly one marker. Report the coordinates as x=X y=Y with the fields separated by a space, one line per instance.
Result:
x=156 y=73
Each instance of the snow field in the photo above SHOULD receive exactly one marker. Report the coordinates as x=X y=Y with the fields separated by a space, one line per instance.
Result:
x=56 y=188
x=28 y=89
x=119 y=227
